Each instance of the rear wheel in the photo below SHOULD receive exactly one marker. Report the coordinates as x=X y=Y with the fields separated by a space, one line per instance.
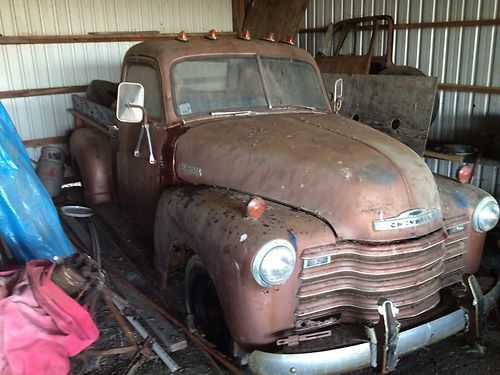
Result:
x=203 y=306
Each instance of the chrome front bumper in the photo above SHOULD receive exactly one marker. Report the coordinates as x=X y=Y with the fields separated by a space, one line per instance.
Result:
x=338 y=361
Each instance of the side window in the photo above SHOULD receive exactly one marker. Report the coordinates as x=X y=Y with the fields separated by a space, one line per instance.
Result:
x=149 y=78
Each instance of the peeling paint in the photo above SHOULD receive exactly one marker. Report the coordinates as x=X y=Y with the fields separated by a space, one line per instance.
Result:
x=460 y=199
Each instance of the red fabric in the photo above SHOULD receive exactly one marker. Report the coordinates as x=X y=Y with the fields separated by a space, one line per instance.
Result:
x=40 y=325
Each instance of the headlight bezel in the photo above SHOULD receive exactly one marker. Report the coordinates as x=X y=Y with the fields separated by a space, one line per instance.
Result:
x=483 y=203
x=261 y=255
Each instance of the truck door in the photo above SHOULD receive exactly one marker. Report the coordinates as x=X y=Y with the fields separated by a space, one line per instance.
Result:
x=138 y=179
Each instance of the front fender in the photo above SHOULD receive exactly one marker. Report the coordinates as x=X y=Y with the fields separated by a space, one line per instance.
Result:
x=210 y=221
x=461 y=199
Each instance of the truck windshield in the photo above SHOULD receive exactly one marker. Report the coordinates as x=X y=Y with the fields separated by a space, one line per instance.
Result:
x=206 y=85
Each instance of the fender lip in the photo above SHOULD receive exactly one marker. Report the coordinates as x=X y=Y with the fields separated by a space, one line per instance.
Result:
x=355 y=357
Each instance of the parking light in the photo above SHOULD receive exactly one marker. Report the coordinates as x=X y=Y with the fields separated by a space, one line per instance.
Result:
x=464 y=174
x=255 y=207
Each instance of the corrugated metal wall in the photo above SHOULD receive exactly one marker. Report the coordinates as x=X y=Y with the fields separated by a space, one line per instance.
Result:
x=486 y=176
x=462 y=55
x=459 y=55
x=52 y=65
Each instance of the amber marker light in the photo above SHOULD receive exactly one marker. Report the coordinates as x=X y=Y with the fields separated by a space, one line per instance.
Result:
x=245 y=35
x=464 y=174
x=255 y=207
x=212 y=35
x=269 y=37
x=182 y=37
x=288 y=40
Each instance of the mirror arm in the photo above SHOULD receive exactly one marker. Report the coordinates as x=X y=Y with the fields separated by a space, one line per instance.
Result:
x=144 y=111
x=145 y=126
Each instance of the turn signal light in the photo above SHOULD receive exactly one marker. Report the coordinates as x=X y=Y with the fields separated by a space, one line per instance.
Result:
x=269 y=37
x=182 y=37
x=255 y=207
x=245 y=35
x=288 y=40
x=464 y=174
x=212 y=35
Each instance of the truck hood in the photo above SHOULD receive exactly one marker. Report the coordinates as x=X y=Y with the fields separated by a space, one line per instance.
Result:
x=365 y=184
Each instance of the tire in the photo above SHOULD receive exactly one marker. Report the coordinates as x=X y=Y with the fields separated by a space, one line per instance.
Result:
x=102 y=92
x=203 y=306
x=404 y=70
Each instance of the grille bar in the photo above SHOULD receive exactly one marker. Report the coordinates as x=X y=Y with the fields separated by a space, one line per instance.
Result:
x=409 y=273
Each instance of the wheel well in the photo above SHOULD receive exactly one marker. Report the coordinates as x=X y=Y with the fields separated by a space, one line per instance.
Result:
x=179 y=255
x=204 y=309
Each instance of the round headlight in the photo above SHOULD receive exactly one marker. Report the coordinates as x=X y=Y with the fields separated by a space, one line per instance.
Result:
x=273 y=263
x=485 y=216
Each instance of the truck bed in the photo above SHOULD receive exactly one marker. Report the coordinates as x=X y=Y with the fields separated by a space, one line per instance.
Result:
x=101 y=117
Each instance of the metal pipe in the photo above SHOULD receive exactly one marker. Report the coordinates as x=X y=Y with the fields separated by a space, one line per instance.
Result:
x=420 y=25
x=124 y=326
x=165 y=358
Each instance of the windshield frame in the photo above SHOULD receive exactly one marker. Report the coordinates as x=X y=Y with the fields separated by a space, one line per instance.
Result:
x=255 y=110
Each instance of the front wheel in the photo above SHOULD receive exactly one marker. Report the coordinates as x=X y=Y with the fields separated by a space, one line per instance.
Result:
x=203 y=306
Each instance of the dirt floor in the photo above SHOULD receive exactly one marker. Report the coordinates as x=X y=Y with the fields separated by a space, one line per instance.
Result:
x=123 y=251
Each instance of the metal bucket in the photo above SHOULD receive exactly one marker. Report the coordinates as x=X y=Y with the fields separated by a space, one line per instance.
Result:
x=50 y=169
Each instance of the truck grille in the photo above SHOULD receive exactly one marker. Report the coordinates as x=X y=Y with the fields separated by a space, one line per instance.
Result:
x=408 y=273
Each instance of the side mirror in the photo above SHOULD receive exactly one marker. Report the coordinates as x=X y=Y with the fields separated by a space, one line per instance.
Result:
x=130 y=93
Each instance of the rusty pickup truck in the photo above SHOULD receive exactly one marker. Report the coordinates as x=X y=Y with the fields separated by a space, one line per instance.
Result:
x=318 y=244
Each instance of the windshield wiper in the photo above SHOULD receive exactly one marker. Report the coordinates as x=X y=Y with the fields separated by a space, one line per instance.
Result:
x=232 y=113
x=310 y=108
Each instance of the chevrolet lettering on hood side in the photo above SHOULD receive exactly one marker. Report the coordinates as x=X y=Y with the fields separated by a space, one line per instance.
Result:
x=310 y=243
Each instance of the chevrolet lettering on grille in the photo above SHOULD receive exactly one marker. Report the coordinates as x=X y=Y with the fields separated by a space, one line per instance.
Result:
x=408 y=219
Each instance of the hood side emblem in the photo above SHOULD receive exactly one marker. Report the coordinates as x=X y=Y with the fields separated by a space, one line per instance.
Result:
x=189 y=169
x=408 y=219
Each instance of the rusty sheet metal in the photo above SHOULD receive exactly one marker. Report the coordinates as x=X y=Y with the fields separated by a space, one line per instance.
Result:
x=210 y=222
x=369 y=62
x=327 y=164
x=399 y=106
x=281 y=17
x=409 y=273
x=91 y=153
x=457 y=203
x=165 y=53
x=345 y=64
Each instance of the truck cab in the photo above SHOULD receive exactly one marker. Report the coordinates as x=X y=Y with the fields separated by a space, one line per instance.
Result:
x=320 y=244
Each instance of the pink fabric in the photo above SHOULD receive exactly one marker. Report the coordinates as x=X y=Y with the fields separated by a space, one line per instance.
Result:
x=40 y=325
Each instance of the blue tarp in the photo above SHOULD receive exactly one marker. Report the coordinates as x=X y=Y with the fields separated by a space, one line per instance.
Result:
x=29 y=224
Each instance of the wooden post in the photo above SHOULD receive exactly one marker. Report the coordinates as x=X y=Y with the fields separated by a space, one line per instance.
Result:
x=238 y=15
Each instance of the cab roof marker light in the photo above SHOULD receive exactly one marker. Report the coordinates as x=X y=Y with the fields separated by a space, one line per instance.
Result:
x=288 y=40
x=212 y=35
x=182 y=37
x=269 y=37
x=245 y=35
